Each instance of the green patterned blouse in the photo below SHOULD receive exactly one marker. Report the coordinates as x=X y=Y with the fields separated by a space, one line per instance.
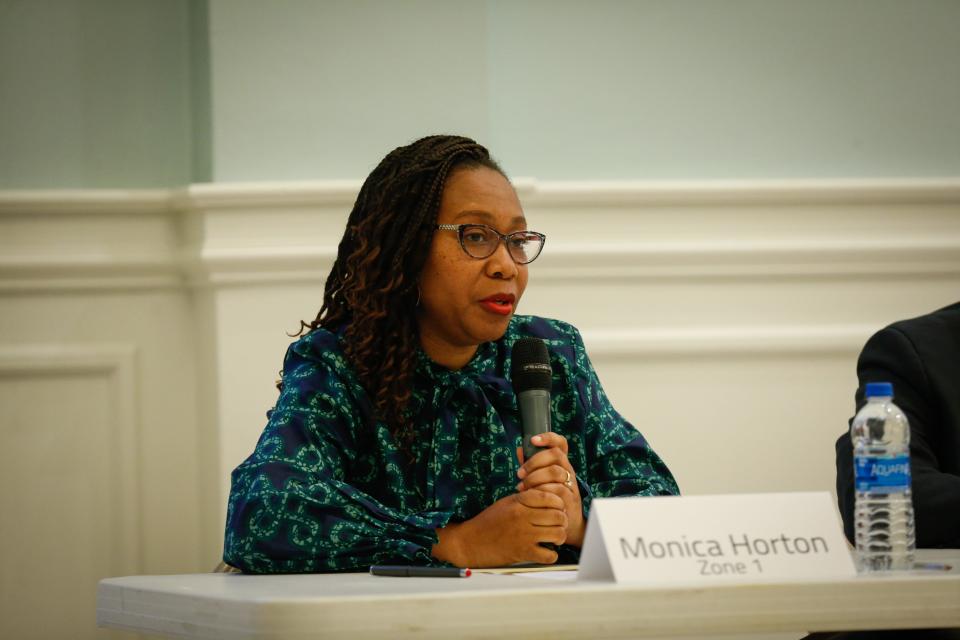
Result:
x=327 y=489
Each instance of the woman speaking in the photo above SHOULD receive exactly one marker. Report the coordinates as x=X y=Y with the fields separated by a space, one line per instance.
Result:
x=396 y=434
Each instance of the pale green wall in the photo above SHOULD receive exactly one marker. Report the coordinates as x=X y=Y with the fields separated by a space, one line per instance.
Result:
x=94 y=93
x=305 y=89
x=127 y=93
x=726 y=89
x=200 y=125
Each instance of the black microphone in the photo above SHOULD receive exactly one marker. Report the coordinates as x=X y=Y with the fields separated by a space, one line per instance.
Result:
x=531 y=373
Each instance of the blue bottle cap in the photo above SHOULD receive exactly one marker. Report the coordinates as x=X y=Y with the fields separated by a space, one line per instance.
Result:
x=879 y=390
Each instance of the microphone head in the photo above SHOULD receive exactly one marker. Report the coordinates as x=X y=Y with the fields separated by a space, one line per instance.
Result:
x=530 y=365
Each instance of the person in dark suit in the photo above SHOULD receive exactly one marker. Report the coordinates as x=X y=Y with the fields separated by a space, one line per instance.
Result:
x=921 y=357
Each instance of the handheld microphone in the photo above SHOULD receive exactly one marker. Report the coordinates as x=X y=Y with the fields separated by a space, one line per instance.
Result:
x=531 y=373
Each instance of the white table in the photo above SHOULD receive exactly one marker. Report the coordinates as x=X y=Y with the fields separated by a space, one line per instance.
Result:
x=508 y=606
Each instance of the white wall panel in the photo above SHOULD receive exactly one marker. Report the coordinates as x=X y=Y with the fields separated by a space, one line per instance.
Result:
x=80 y=273
x=66 y=523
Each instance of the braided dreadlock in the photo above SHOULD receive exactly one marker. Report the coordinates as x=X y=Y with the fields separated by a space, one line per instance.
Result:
x=372 y=288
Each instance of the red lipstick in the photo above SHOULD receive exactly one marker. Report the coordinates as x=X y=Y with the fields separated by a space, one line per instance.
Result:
x=499 y=303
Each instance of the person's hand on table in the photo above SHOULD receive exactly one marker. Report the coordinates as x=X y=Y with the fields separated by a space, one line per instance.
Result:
x=507 y=532
x=550 y=470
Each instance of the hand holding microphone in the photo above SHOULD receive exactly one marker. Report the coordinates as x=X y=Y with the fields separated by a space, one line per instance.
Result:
x=546 y=511
x=543 y=457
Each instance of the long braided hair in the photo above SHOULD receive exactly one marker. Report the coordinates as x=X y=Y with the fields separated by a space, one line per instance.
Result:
x=372 y=290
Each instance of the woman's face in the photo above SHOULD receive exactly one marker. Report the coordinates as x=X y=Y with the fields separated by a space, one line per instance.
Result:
x=465 y=301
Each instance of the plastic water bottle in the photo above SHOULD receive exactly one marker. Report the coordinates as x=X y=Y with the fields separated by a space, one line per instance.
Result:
x=883 y=512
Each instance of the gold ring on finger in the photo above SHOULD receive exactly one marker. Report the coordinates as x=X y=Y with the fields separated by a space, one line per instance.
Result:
x=569 y=480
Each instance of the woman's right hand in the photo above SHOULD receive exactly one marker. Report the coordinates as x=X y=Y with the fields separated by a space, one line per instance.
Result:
x=507 y=532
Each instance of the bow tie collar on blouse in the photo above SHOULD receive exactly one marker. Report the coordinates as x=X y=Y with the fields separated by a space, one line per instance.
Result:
x=473 y=427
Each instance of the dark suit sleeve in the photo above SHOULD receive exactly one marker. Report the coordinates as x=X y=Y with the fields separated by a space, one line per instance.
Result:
x=889 y=356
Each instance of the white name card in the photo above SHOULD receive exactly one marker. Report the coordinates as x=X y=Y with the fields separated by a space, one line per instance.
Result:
x=715 y=539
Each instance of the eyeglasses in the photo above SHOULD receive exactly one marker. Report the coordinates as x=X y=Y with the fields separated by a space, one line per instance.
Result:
x=480 y=241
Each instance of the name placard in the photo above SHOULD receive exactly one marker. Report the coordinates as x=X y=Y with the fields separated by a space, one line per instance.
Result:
x=744 y=538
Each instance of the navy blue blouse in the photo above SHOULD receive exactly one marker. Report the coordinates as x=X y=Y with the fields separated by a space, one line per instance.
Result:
x=327 y=488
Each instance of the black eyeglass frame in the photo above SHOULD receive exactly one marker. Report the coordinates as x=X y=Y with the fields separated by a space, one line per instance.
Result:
x=504 y=238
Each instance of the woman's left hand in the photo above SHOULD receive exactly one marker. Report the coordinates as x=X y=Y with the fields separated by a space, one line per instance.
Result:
x=550 y=470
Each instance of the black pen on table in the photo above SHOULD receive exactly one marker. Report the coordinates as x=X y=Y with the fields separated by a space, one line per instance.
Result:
x=403 y=571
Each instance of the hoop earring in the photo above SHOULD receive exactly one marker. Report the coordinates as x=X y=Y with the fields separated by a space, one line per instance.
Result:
x=418 y=297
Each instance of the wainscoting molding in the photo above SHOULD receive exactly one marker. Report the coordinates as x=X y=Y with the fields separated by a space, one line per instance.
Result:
x=212 y=235
x=741 y=340
x=116 y=363
x=88 y=240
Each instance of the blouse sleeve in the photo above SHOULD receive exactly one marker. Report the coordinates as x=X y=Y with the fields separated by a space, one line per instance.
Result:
x=619 y=460
x=292 y=508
